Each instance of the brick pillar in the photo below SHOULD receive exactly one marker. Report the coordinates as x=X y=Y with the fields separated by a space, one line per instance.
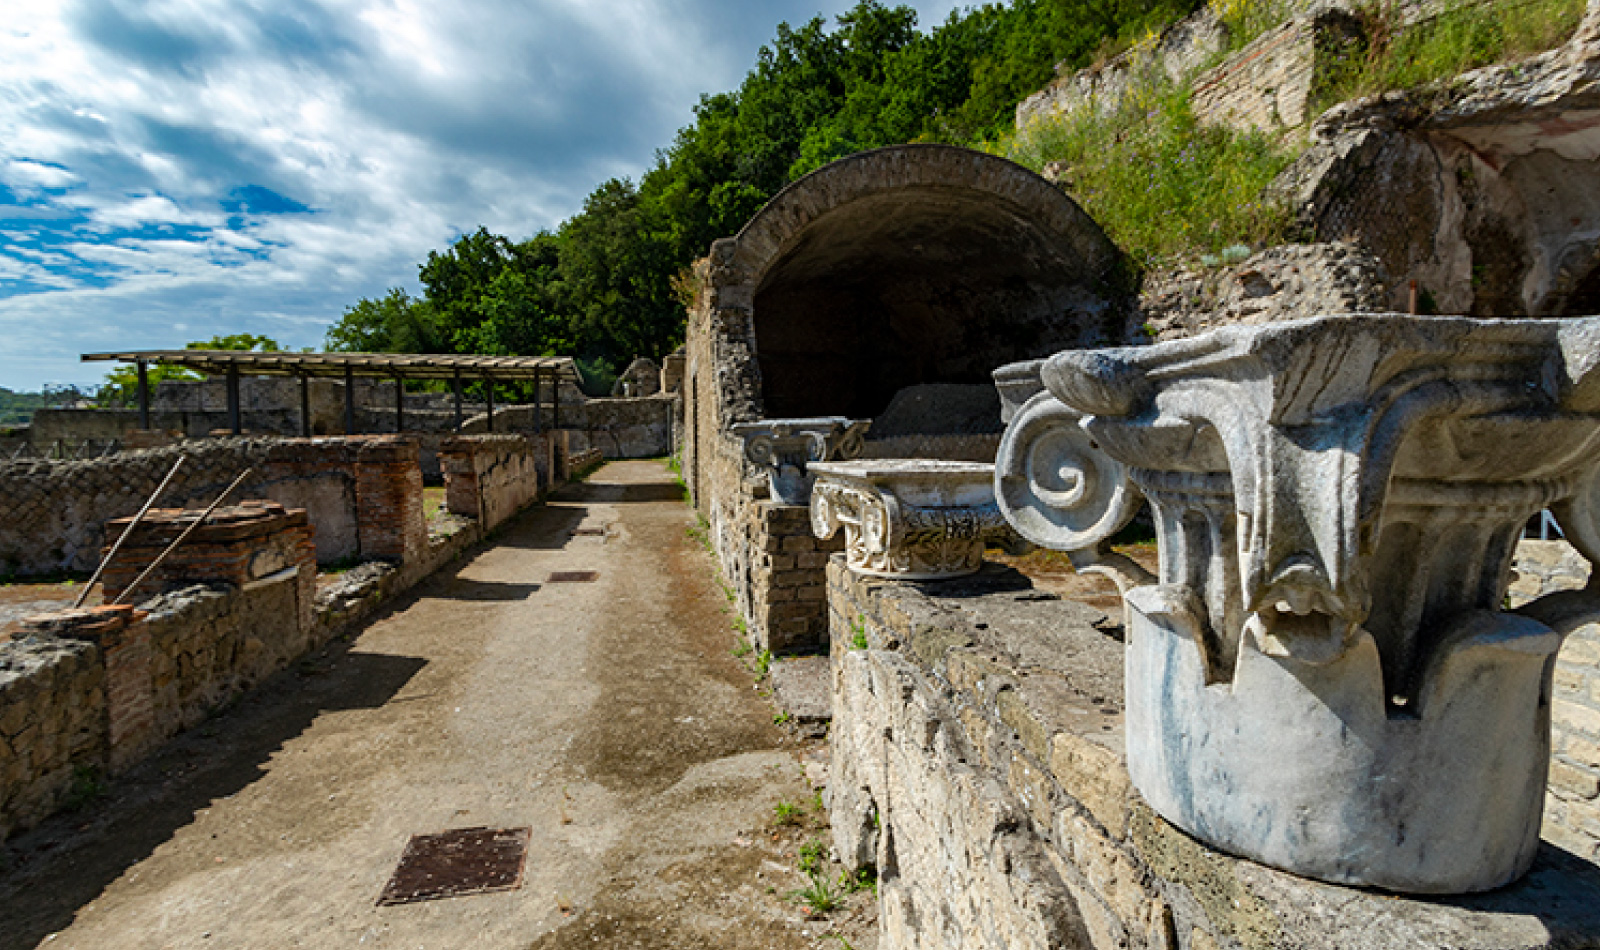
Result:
x=389 y=519
x=788 y=581
x=123 y=638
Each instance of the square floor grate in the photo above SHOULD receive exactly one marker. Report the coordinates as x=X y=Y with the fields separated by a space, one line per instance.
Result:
x=573 y=577
x=454 y=863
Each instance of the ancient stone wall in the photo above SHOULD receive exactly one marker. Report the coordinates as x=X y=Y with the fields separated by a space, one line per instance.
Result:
x=978 y=767
x=889 y=272
x=1270 y=84
x=1572 y=806
x=362 y=493
x=492 y=477
x=87 y=692
x=52 y=725
x=91 y=691
x=634 y=427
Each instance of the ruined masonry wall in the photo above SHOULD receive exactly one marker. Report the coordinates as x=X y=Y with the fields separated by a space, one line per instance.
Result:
x=622 y=428
x=977 y=764
x=492 y=477
x=1572 y=801
x=97 y=690
x=363 y=494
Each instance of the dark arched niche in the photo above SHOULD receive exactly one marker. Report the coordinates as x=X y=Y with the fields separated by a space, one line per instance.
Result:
x=917 y=264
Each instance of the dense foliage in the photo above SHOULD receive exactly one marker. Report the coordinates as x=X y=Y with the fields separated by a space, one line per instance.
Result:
x=608 y=284
x=1163 y=186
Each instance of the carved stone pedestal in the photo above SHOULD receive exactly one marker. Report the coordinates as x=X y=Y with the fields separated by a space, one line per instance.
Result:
x=1322 y=677
x=911 y=519
x=784 y=448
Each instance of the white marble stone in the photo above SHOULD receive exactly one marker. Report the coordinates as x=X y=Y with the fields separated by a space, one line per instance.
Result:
x=1322 y=677
x=911 y=519
x=784 y=448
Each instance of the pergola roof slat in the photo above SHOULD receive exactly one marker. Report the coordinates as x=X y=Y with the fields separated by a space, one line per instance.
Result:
x=334 y=365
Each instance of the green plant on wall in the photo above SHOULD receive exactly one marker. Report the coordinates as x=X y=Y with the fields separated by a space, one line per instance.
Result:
x=1164 y=187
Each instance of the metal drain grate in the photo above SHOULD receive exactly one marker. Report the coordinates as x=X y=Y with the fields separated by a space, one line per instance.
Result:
x=573 y=577
x=588 y=531
x=454 y=863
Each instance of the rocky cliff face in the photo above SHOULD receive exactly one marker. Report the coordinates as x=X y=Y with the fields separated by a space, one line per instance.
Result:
x=1479 y=195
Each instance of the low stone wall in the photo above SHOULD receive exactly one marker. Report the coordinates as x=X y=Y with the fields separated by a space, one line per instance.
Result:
x=52 y=725
x=1270 y=84
x=977 y=765
x=89 y=692
x=492 y=477
x=363 y=494
x=621 y=428
x=1572 y=805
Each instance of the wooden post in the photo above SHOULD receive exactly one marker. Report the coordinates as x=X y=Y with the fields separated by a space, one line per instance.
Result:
x=349 y=400
x=144 y=396
x=488 y=389
x=538 y=410
x=235 y=416
x=399 y=404
x=455 y=385
x=305 y=406
x=555 y=398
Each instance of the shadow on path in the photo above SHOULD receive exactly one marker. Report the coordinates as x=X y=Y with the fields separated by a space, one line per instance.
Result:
x=67 y=861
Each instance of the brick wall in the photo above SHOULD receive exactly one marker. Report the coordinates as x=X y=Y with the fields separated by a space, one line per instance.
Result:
x=389 y=514
x=1270 y=84
x=978 y=766
x=1572 y=805
x=788 y=586
x=362 y=494
x=237 y=545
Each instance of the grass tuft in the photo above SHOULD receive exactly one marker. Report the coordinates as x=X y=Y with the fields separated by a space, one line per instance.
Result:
x=1164 y=187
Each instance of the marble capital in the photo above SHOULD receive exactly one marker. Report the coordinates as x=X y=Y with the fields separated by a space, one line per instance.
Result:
x=911 y=519
x=785 y=448
x=1322 y=676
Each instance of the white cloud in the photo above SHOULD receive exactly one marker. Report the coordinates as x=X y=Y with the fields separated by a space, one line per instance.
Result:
x=132 y=133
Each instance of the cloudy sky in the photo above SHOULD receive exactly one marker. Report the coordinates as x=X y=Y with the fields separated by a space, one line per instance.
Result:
x=175 y=169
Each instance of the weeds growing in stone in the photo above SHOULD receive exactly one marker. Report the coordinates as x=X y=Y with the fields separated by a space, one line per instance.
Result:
x=863 y=880
x=763 y=664
x=819 y=895
x=812 y=855
x=1464 y=36
x=86 y=787
x=787 y=813
x=781 y=718
x=1164 y=187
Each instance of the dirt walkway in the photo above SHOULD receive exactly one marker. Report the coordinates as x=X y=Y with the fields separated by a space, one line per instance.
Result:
x=609 y=717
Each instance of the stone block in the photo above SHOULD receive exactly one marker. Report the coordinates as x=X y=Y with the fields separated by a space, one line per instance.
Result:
x=1574 y=780
x=1573 y=716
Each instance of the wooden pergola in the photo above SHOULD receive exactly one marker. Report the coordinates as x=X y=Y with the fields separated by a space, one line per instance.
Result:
x=232 y=364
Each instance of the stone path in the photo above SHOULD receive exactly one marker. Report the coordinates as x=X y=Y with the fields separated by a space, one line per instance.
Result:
x=609 y=717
